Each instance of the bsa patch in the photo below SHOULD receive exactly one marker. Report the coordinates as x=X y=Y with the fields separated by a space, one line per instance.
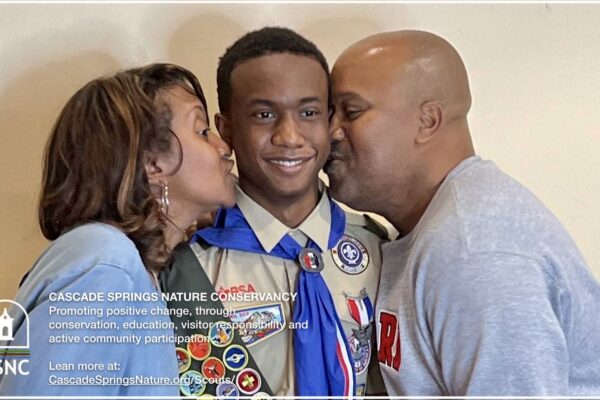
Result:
x=227 y=390
x=235 y=357
x=255 y=324
x=199 y=347
x=184 y=360
x=361 y=351
x=350 y=255
x=261 y=396
x=248 y=381
x=213 y=368
x=194 y=383
x=220 y=334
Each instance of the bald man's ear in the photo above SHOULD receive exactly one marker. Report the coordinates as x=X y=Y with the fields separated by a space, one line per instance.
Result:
x=430 y=120
x=223 y=126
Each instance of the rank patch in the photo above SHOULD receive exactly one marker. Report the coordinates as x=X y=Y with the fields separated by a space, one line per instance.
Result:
x=258 y=323
x=350 y=255
x=361 y=351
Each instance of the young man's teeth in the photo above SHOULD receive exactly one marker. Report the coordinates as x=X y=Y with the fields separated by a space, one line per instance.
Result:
x=286 y=163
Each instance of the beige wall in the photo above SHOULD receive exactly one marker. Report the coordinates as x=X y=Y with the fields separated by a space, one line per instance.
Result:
x=533 y=70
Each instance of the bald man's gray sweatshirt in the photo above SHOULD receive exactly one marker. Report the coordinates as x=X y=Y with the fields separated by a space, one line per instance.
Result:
x=488 y=295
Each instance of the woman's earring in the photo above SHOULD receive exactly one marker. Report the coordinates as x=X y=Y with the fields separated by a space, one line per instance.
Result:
x=164 y=198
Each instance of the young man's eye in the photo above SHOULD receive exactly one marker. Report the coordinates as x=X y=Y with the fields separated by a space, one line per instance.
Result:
x=264 y=114
x=310 y=113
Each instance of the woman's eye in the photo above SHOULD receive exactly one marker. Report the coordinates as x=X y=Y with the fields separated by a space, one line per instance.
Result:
x=203 y=132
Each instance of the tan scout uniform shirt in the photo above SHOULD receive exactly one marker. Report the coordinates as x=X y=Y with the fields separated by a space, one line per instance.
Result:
x=234 y=271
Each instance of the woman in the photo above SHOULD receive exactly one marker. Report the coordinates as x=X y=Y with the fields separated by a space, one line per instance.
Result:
x=129 y=166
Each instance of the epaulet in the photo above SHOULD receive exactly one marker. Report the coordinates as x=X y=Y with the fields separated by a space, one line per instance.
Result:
x=369 y=223
x=376 y=227
x=201 y=243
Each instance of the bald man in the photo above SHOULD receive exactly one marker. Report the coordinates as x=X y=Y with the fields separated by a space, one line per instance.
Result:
x=483 y=292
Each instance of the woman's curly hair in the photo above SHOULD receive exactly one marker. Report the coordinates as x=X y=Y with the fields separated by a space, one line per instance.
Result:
x=94 y=164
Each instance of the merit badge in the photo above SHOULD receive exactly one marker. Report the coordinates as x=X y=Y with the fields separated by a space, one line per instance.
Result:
x=360 y=308
x=213 y=368
x=261 y=396
x=248 y=381
x=193 y=383
x=350 y=255
x=361 y=351
x=360 y=390
x=220 y=334
x=199 y=347
x=235 y=357
x=184 y=360
x=258 y=323
x=310 y=260
x=227 y=390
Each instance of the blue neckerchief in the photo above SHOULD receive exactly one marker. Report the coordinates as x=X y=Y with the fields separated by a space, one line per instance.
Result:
x=324 y=365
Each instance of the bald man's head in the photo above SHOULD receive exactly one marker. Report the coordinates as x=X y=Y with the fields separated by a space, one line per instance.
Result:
x=400 y=124
x=425 y=66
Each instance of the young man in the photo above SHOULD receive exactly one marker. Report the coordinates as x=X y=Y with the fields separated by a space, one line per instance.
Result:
x=300 y=273
x=484 y=293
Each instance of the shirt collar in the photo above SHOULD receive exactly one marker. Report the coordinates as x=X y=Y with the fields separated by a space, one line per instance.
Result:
x=269 y=230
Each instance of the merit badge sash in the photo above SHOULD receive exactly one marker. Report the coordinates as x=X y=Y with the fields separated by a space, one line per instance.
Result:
x=211 y=355
x=323 y=359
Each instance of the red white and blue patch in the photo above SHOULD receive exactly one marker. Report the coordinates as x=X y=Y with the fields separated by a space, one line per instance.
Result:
x=360 y=308
x=346 y=364
x=256 y=324
x=350 y=255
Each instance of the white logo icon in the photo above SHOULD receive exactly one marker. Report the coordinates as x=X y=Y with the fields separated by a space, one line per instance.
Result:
x=350 y=252
x=7 y=325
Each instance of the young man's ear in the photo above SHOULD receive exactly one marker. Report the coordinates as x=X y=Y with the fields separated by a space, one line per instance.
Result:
x=223 y=127
x=430 y=120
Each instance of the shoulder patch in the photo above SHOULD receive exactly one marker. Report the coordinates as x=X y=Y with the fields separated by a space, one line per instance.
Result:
x=369 y=223
x=355 y=219
x=199 y=247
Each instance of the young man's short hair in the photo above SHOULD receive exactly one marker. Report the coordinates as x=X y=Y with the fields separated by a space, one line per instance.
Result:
x=262 y=42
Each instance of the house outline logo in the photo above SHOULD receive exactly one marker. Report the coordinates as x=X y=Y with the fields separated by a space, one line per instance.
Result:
x=7 y=327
